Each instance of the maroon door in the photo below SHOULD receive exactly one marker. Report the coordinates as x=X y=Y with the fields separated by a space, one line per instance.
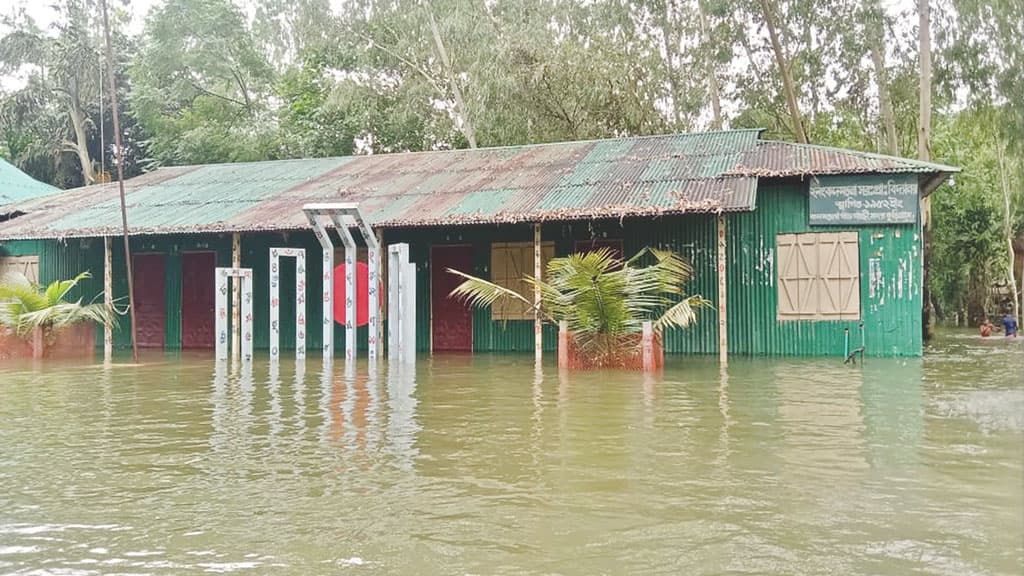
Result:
x=150 y=301
x=197 y=299
x=451 y=320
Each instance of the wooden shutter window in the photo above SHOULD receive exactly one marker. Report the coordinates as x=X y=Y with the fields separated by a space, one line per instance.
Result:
x=28 y=266
x=818 y=276
x=509 y=262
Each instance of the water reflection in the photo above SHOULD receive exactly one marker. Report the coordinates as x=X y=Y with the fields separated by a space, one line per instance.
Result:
x=782 y=466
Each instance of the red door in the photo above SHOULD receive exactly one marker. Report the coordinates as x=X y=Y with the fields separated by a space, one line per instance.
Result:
x=451 y=320
x=150 y=301
x=197 y=299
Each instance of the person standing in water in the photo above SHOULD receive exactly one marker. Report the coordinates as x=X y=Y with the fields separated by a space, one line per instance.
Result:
x=1010 y=326
x=986 y=328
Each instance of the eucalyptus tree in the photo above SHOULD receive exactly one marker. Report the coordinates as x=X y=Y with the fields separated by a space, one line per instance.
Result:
x=203 y=90
x=63 y=69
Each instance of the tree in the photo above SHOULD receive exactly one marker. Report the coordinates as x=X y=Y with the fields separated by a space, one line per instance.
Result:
x=874 y=32
x=202 y=91
x=25 y=307
x=64 y=70
x=602 y=299
x=782 y=65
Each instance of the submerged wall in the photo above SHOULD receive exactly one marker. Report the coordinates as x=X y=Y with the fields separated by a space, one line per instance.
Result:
x=890 y=267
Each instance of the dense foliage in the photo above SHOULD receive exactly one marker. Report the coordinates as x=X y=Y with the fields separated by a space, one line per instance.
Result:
x=229 y=80
x=25 y=306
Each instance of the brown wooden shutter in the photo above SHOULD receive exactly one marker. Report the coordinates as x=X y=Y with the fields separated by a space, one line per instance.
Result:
x=785 y=245
x=28 y=266
x=819 y=276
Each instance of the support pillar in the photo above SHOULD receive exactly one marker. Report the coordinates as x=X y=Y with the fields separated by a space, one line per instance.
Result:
x=382 y=281
x=538 y=335
x=236 y=296
x=723 y=328
x=563 y=344
x=108 y=296
x=647 y=346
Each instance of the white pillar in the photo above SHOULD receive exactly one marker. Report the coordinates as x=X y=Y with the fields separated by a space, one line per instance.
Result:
x=108 y=297
x=723 y=328
x=275 y=304
x=221 y=301
x=408 y=289
x=243 y=285
x=275 y=301
x=327 y=279
x=350 y=288
x=246 y=314
x=394 y=303
x=236 y=294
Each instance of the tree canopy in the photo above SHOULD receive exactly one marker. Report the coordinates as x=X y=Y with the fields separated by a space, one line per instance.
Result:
x=229 y=80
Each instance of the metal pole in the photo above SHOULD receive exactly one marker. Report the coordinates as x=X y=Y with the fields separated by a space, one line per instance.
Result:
x=120 y=179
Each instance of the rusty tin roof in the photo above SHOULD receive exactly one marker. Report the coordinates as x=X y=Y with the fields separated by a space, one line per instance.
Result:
x=645 y=176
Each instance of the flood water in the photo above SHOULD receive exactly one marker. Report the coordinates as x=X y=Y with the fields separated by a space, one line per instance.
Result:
x=480 y=466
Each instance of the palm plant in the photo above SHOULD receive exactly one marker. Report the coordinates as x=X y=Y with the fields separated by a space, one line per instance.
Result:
x=25 y=306
x=603 y=300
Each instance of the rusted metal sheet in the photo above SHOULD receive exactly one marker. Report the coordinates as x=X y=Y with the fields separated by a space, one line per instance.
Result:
x=782 y=159
x=649 y=176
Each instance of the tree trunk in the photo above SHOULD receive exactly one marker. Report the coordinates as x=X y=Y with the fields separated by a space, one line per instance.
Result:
x=875 y=29
x=787 y=76
x=712 y=76
x=81 y=140
x=465 y=124
x=924 y=125
x=924 y=128
x=1008 y=228
x=671 y=46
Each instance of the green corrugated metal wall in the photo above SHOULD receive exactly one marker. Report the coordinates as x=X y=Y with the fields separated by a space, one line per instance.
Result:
x=692 y=236
x=891 y=298
x=61 y=260
x=890 y=304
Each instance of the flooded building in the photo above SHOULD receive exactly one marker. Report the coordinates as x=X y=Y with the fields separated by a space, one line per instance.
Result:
x=793 y=244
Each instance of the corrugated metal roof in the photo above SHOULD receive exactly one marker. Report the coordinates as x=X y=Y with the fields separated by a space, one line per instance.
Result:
x=671 y=174
x=16 y=186
x=780 y=159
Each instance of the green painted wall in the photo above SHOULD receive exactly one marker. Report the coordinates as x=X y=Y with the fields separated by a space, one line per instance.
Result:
x=891 y=299
x=890 y=303
x=61 y=260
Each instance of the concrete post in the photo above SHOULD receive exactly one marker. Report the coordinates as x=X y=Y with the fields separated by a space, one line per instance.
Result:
x=236 y=295
x=647 y=346
x=108 y=296
x=723 y=328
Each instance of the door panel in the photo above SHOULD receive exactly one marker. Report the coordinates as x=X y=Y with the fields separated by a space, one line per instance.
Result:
x=451 y=320
x=150 y=299
x=197 y=299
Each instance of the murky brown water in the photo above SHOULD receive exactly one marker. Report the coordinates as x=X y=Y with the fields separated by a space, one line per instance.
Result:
x=476 y=466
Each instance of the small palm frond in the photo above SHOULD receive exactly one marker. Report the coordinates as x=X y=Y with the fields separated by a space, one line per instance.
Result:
x=480 y=293
x=56 y=291
x=65 y=314
x=19 y=295
x=682 y=314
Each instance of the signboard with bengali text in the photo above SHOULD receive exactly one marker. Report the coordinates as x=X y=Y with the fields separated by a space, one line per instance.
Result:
x=863 y=199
